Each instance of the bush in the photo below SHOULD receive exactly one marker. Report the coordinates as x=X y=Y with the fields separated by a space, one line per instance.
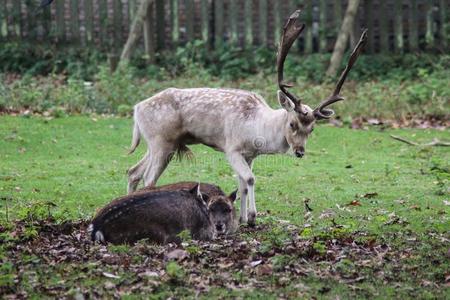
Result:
x=228 y=63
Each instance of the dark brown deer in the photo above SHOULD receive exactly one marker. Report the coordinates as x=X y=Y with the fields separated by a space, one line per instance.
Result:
x=236 y=122
x=160 y=215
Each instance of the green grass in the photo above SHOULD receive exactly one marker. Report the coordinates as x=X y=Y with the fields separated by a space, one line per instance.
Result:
x=80 y=163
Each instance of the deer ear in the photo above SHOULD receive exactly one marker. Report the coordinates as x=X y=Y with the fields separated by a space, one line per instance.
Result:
x=197 y=193
x=326 y=113
x=233 y=196
x=285 y=102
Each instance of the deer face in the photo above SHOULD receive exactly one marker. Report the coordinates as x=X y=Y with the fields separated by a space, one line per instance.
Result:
x=222 y=213
x=299 y=125
x=301 y=118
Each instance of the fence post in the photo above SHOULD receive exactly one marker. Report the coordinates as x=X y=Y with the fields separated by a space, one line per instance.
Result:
x=117 y=27
x=413 y=29
x=384 y=27
x=429 y=36
x=175 y=22
x=3 y=20
x=398 y=27
x=263 y=22
x=444 y=34
x=149 y=34
x=368 y=16
x=322 y=26
x=337 y=15
x=233 y=15
x=74 y=21
x=308 y=28
x=218 y=13
x=160 y=24
x=248 y=18
x=31 y=21
x=60 y=22
x=89 y=20
x=190 y=20
x=204 y=20
x=277 y=12
x=103 y=20
x=17 y=17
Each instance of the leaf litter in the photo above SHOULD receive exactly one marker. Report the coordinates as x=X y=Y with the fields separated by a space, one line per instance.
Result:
x=61 y=258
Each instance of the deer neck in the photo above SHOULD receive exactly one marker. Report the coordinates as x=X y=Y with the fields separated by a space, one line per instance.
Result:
x=273 y=127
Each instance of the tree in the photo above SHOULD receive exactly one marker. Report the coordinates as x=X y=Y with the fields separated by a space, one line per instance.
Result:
x=136 y=30
x=343 y=36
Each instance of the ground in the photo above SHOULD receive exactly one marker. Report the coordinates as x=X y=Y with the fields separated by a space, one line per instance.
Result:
x=362 y=215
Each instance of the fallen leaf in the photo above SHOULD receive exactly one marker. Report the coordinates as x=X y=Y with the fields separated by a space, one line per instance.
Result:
x=177 y=254
x=148 y=274
x=264 y=270
x=370 y=195
x=354 y=203
x=109 y=275
x=415 y=207
x=255 y=263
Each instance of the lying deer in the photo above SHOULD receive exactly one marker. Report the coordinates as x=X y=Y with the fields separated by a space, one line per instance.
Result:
x=237 y=122
x=160 y=215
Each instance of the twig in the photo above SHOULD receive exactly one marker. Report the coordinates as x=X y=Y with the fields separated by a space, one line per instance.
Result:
x=306 y=202
x=434 y=142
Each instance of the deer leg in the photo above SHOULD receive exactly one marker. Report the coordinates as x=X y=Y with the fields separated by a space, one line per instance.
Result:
x=244 y=191
x=251 y=198
x=242 y=169
x=157 y=163
x=136 y=172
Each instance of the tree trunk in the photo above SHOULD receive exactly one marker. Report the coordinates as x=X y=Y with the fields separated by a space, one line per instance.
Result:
x=343 y=36
x=135 y=31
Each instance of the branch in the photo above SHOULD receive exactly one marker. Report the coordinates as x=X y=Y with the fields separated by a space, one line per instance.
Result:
x=135 y=31
x=434 y=142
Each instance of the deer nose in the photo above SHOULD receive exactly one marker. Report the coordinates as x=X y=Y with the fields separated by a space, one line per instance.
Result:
x=299 y=152
x=220 y=227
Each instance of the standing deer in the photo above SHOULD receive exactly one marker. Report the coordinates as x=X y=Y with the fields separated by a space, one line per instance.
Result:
x=237 y=122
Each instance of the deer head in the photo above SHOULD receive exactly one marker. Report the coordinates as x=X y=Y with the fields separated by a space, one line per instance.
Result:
x=301 y=118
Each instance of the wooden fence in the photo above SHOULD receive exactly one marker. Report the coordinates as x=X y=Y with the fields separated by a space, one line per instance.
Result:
x=394 y=25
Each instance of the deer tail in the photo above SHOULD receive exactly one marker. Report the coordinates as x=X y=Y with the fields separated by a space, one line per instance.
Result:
x=136 y=135
x=96 y=235
x=184 y=152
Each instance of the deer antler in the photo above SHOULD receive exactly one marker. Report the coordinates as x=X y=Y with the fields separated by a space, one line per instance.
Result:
x=321 y=112
x=291 y=32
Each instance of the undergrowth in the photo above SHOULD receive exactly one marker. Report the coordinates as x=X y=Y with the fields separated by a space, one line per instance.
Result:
x=55 y=81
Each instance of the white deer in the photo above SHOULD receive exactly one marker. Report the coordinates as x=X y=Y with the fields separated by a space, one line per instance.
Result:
x=236 y=122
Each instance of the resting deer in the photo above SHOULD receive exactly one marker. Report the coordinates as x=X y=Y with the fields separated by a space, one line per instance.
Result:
x=237 y=122
x=162 y=213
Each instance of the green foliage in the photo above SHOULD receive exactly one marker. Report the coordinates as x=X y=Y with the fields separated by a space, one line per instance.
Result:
x=194 y=58
x=41 y=59
x=175 y=272
x=6 y=274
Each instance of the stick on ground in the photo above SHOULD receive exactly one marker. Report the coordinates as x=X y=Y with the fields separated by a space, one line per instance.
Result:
x=434 y=142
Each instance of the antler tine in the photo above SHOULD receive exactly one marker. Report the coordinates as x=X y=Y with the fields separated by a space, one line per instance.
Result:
x=320 y=111
x=291 y=31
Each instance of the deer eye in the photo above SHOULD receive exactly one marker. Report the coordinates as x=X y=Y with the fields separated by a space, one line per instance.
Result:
x=292 y=125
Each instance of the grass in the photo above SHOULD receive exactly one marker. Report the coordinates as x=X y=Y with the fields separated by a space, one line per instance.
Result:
x=357 y=181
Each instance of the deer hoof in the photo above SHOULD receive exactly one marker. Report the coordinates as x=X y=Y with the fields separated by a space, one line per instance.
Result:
x=242 y=220
x=251 y=219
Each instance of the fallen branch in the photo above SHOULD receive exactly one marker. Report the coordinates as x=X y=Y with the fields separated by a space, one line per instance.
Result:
x=434 y=142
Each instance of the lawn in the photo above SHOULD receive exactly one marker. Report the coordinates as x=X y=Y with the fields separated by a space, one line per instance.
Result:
x=380 y=194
